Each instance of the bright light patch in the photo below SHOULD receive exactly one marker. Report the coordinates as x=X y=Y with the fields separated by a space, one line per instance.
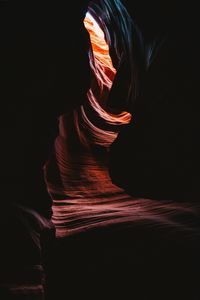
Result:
x=104 y=73
x=99 y=46
x=95 y=25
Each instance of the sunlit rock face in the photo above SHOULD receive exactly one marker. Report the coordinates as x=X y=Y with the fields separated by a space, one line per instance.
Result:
x=84 y=196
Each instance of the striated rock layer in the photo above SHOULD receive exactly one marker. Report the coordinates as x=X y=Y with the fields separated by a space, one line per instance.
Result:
x=84 y=197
